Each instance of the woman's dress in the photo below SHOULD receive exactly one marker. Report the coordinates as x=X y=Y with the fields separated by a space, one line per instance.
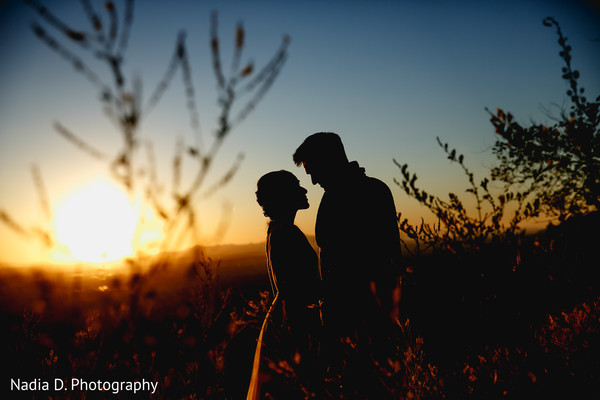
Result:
x=287 y=348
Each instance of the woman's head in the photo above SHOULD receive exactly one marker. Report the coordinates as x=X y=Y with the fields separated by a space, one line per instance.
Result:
x=279 y=194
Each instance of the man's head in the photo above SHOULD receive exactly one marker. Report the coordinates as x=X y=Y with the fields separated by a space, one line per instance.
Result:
x=322 y=155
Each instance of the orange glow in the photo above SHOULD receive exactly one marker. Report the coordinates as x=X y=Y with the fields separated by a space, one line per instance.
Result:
x=98 y=223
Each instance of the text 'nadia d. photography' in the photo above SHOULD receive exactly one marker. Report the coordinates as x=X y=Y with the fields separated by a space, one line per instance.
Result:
x=78 y=384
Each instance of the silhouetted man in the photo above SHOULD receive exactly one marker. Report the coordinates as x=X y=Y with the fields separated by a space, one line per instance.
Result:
x=356 y=231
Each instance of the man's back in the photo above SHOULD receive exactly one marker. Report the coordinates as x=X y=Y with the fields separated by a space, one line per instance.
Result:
x=356 y=226
x=356 y=231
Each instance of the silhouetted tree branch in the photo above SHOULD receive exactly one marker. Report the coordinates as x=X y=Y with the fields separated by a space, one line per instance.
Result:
x=122 y=102
x=560 y=163
x=551 y=170
x=456 y=230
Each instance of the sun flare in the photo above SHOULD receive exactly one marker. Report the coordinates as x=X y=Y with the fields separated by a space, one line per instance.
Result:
x=97 y=224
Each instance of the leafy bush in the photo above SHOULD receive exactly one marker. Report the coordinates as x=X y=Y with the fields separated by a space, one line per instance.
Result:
x=457 y=230
x=545 y=170
x=556 y=167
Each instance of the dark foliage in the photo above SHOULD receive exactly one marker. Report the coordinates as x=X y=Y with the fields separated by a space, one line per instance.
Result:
x=558 y=166
x=503 y=313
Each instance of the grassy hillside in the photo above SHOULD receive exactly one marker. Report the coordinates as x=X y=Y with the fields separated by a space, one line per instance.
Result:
x=515 y=322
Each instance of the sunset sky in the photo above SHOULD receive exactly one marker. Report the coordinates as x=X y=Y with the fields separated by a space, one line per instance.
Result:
x=388 y=76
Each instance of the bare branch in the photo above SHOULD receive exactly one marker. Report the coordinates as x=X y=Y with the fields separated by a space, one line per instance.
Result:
x=238 y=48
x=168 y=76
x=224 y=221
x=12 y=224
x=190 y=94
x=127 y=22
x=265 y=79
x=95 y=20
x=177 y=159
x=216 y=56
x=80 y=144
x=52 y=20
x=226 y=178
x=41 y=190
x=114 y=23
x=75 y=61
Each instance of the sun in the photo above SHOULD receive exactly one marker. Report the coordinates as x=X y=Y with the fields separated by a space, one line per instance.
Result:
x=97 y=223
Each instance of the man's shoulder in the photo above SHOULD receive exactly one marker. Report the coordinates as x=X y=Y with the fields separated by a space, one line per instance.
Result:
x=376 y=185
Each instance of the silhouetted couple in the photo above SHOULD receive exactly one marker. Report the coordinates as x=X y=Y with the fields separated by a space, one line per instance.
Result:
x=350 y=283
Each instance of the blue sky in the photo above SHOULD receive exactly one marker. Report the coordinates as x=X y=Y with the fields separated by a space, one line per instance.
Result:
x=388 y=76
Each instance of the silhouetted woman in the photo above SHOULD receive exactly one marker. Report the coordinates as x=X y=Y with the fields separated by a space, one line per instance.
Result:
x=292 y=262
x=294 y=272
